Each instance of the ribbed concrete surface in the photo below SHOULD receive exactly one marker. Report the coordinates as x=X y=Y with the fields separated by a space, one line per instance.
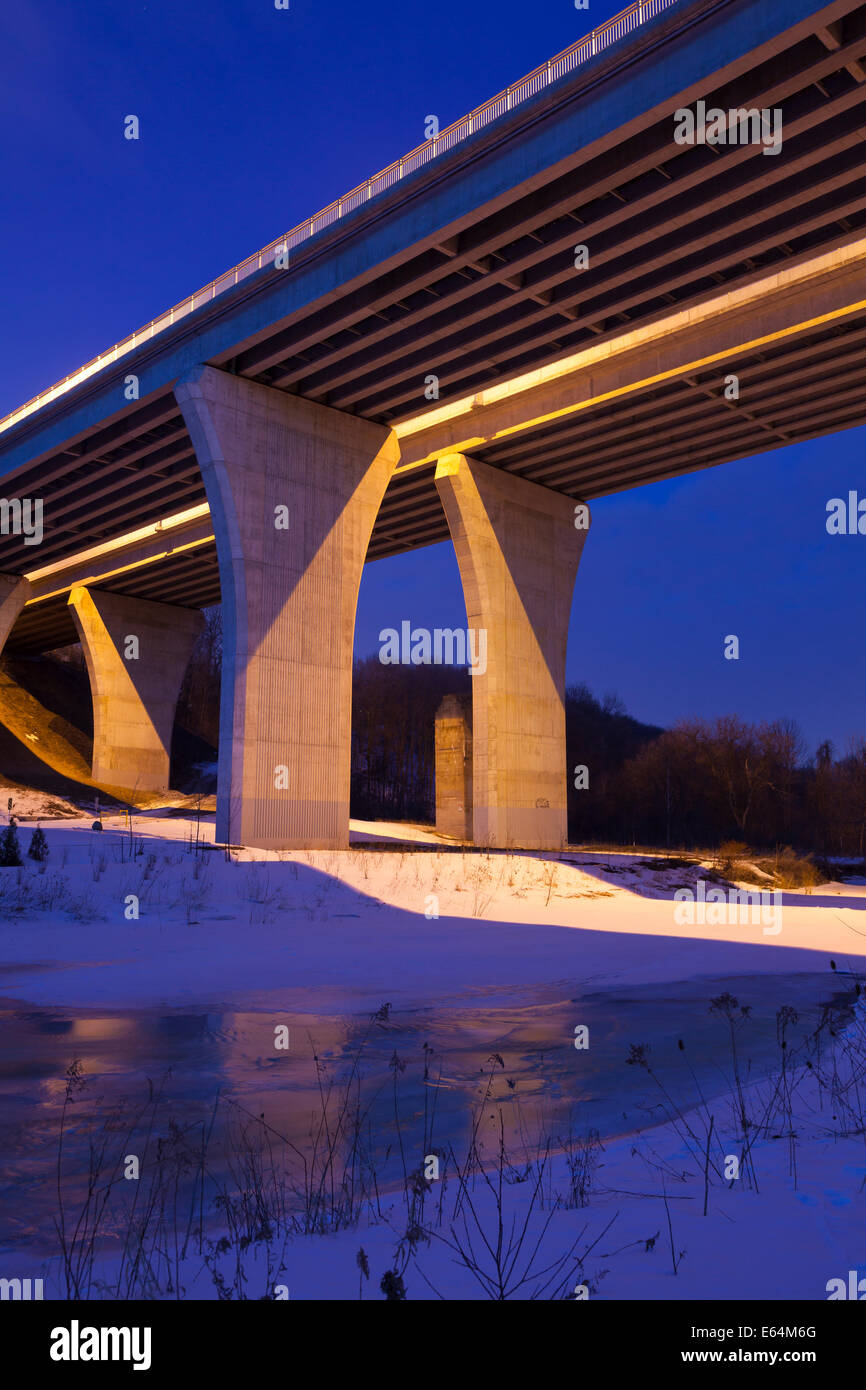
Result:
x=518 y=550
x=289 y=599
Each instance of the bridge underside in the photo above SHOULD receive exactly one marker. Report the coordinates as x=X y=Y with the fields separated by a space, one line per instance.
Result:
x=559 y=381
x=805 y=383
x=496 y=295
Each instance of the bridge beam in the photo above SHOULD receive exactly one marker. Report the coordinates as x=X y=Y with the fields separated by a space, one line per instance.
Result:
x=14 y=593
x=518 y=549
x=294 y=489
x=767 y=313
x=137 y=653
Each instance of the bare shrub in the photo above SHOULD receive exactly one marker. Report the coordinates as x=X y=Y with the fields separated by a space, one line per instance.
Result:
x=729 y=854
x=791 y=870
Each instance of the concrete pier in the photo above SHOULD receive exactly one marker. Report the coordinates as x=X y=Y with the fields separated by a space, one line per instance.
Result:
x=137 y=653
x=14 y=592
x=293 y=489
x=518 y=550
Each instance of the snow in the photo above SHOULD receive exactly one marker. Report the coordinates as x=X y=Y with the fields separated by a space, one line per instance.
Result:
x=462 y=934
x=31 y=805
x=347 y=925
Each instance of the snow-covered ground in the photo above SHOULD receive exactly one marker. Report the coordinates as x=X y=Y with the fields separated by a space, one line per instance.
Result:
x=132 y=920
x=348 y=925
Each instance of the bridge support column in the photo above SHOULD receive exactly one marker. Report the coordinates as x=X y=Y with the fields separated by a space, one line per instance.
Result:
x=518 y=549
x=14 y=592
x=294 y=489
x=136 y=653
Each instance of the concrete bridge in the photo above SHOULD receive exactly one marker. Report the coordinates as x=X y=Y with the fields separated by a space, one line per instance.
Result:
x=647 y=257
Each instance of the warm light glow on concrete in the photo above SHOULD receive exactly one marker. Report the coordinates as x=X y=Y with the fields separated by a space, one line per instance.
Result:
x=134 y=550
x=518 y=550
x=100 y=576
x=157 y=528
x=136 y=653
x=755 y=295
x=289 y=595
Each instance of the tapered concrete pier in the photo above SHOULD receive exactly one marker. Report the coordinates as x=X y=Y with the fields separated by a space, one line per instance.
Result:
x=518 y=550
x=293 y=489
x=137 y=653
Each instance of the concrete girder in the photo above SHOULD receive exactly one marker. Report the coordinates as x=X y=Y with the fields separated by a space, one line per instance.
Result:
x=813 y=293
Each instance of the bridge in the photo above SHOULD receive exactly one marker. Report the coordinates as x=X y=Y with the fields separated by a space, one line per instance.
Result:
x=645 y=258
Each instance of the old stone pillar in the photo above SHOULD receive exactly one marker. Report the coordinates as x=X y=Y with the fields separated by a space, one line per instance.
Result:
x=454 y=767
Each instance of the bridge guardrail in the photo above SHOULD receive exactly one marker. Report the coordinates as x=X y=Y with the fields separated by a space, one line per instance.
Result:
x=615 y=28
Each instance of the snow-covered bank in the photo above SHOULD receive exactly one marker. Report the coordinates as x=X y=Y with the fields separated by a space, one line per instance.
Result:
x=353 y=928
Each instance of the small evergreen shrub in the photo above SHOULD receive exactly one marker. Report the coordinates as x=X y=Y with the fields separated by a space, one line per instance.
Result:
x=10 y=850
x=38 y=847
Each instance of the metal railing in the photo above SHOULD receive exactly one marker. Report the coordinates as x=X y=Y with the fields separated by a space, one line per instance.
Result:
x=615 y=28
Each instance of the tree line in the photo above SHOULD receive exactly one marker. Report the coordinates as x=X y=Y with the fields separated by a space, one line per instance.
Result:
x=698 y=783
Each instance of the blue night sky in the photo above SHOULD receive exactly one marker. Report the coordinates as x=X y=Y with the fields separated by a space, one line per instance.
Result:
x=251 y=119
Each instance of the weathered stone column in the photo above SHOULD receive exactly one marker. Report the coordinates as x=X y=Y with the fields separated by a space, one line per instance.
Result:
x=294 y=489
x=137 y=654
x=454 y=767
x=14 y=592
x=518 y=547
